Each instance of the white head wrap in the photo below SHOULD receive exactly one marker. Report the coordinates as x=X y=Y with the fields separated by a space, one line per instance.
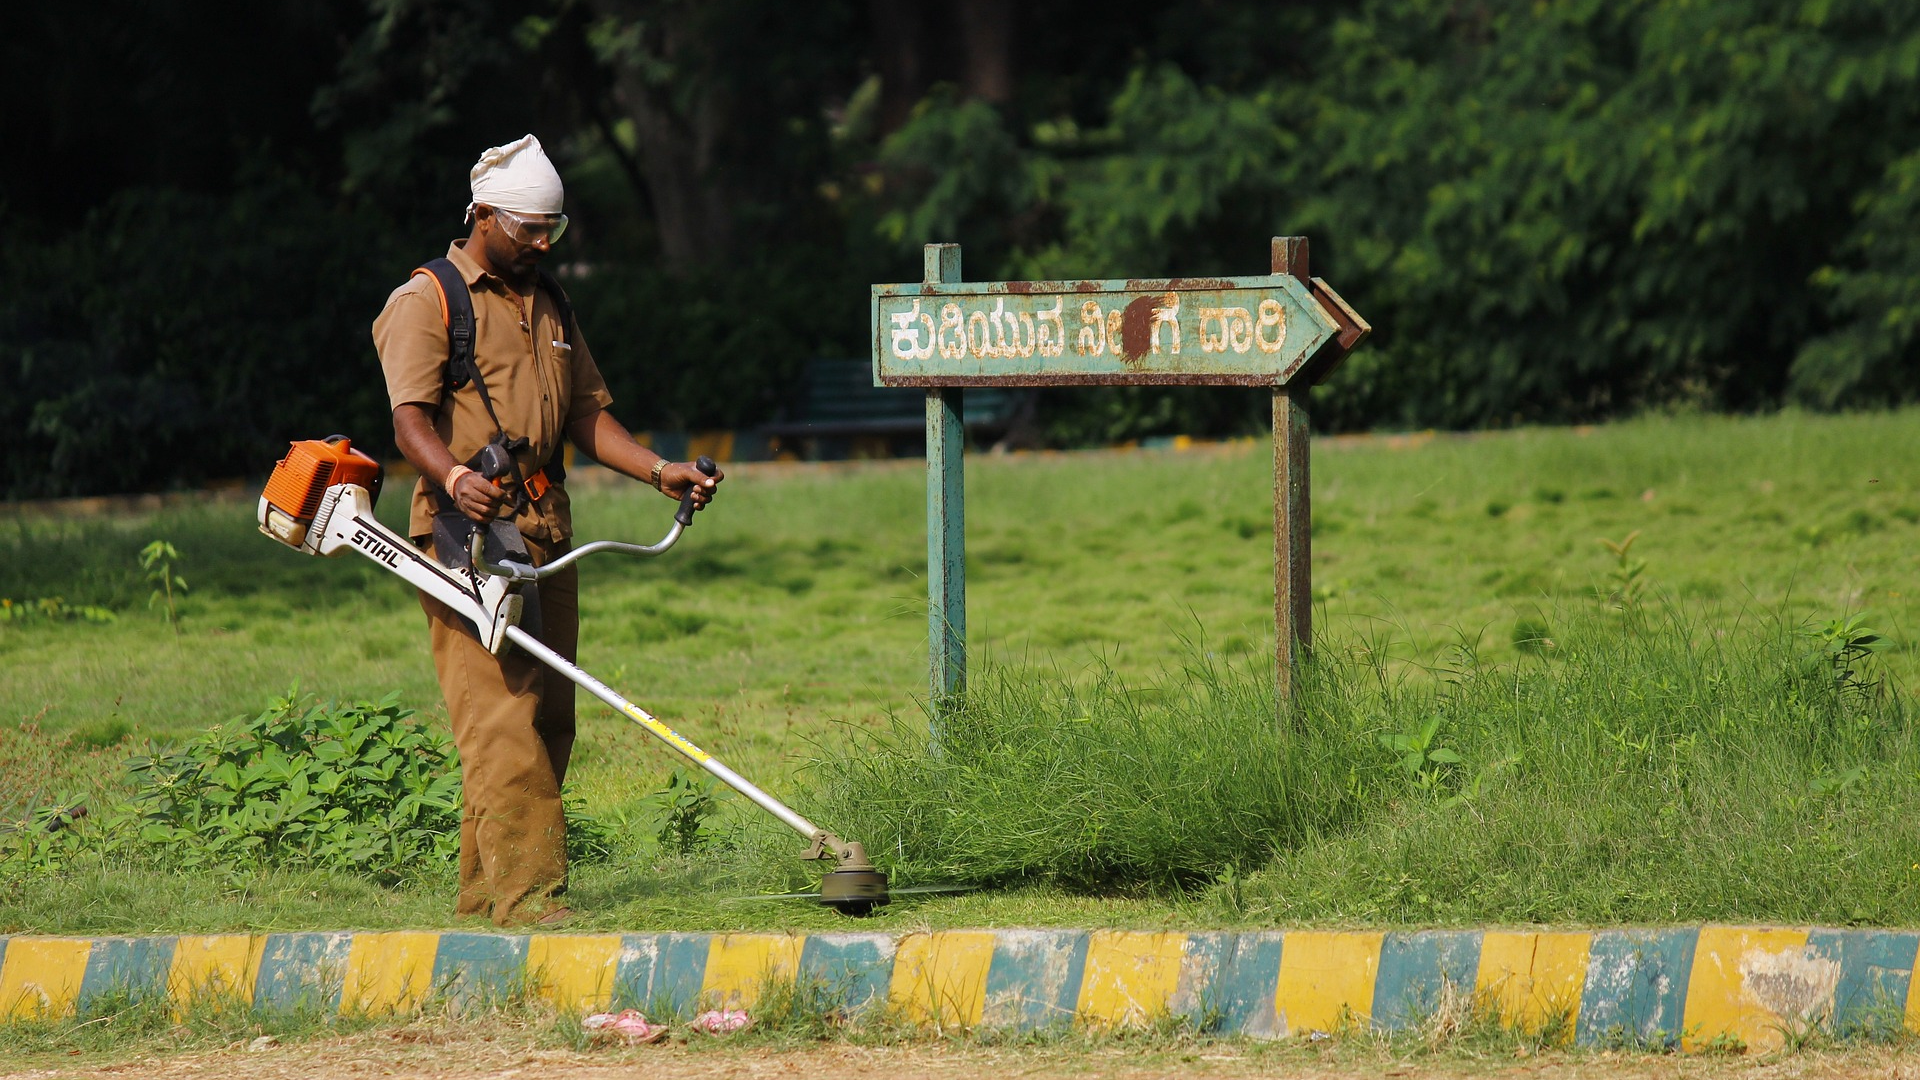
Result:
x=517 y=177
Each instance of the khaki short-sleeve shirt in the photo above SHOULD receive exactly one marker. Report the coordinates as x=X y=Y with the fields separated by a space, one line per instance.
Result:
x=540 y=379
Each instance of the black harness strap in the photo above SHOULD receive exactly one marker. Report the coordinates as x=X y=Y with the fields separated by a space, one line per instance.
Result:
x=452 y=531
x=456 y=307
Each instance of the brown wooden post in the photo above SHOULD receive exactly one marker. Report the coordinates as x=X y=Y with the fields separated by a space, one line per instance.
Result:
x=946 y=521
x=1292 y=510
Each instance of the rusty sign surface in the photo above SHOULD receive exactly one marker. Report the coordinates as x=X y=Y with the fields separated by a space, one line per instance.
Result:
x=1244 y=331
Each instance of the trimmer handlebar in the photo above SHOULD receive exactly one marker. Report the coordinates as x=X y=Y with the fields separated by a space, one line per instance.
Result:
x=521 y=572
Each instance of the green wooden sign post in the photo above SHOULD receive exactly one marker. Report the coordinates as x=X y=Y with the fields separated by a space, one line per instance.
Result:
x=1285 y=330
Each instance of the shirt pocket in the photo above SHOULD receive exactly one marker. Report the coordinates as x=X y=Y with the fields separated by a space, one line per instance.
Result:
x=557 y=377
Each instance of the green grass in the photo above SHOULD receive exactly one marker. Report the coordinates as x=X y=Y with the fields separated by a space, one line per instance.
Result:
x=1665 y=774
x=1641 y=771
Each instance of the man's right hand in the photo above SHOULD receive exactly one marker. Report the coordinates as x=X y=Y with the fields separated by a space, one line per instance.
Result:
x=477 y=497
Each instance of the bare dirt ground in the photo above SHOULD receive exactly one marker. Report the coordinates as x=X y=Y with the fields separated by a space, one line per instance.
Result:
x=381 y=1054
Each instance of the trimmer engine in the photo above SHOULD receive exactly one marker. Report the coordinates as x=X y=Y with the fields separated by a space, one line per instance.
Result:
x=296 y=492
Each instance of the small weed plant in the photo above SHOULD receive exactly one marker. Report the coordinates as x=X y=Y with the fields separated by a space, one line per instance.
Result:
x=1418 y=755
x=1838 y=649
x=1627 y=578
x=685 y=807
x=157 y=562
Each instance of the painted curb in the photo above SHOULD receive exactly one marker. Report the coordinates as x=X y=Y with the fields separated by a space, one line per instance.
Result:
x=1685 y=987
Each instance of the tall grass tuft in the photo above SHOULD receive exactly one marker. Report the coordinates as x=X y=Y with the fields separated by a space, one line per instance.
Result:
x=1096 y=785
x=1636 y=766
x=1644 y=769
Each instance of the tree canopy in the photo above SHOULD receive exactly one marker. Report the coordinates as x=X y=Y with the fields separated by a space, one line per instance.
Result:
x=1550 y=211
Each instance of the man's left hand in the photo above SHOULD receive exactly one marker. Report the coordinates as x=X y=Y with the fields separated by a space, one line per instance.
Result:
x=680 y=476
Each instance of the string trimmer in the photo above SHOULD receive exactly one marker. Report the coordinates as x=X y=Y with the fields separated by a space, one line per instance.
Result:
x=320 y=501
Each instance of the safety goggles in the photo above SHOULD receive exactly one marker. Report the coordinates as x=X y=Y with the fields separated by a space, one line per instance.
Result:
x=531 y=229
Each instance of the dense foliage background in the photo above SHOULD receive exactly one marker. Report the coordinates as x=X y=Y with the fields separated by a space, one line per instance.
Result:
x=1549 y=210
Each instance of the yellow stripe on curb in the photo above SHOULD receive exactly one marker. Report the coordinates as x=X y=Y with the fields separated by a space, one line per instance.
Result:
x=1326 y=980
x=941 y=978
x=576 y=973
x=741 y=966
x=1534 y=980
x=1754 y=985
x=1130 y=977
x=1913 y=998
x=213 y=966
x=41 y=977
x=388 y=972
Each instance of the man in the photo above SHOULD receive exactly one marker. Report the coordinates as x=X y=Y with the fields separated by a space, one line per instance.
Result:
x=512 y=719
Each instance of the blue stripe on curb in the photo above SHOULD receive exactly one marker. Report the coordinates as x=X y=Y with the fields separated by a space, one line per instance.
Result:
x=660 y=974
x=300 y=971
x=1202 y=974
x=1876 y=971
x=470 y=968
x=1636 y=987
x=1418 y=969
x=1034 y=980
x=855 y=968
x=1234 y=981
x=134 y=967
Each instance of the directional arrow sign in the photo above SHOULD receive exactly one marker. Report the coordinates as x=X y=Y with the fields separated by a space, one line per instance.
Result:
x=1242 y=331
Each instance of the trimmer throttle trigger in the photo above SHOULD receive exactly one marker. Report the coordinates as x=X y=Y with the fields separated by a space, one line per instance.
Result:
x=495 y=460
x=684 y=515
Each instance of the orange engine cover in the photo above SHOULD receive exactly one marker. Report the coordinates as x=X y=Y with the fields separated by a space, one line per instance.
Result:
x=310 y=468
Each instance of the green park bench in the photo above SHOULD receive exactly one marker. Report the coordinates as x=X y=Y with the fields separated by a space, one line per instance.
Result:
x=838 y=413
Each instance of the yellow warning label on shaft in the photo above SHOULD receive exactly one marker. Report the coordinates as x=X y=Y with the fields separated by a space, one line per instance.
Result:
x=672 y=737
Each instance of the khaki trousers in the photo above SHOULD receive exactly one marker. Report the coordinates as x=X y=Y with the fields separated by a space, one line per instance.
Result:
x=513 y=722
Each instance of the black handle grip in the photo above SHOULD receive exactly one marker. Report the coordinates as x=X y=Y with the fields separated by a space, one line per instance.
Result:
x=491 y=461
x=684 y=515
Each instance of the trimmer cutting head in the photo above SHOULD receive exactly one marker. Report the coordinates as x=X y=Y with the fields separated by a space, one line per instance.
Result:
x=853 y=892
x=854 y=886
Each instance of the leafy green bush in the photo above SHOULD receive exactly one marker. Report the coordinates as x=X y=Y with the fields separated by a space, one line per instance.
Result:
x=366 y=787
x=1570 y=175
x=112 y=385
